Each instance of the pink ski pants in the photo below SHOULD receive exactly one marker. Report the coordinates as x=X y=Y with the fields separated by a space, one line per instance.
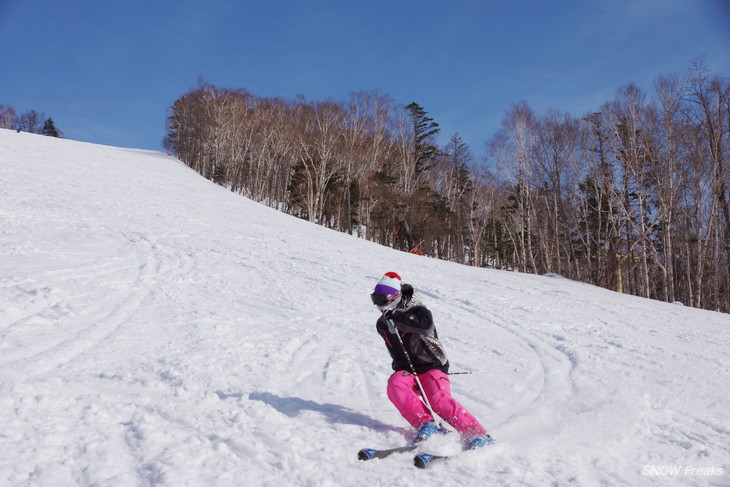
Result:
x=403 y=393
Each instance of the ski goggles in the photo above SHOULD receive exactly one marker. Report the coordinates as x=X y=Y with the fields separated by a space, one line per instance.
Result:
x=381 y=299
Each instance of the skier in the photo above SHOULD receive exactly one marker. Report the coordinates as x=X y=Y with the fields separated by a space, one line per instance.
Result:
x=407 y=327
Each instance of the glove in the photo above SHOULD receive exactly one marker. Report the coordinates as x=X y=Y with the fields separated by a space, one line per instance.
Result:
x=388 y=315
x=407 y=290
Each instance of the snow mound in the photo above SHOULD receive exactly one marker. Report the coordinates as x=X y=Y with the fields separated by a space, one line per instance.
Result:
x=156 y=329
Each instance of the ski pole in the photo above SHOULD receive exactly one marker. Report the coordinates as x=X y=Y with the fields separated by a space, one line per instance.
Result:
x=413 y=369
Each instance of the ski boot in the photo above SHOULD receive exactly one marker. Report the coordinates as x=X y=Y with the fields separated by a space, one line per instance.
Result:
x=427 y=429
x=479 y=441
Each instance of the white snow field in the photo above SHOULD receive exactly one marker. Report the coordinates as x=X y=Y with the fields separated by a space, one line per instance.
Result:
x=159 y=330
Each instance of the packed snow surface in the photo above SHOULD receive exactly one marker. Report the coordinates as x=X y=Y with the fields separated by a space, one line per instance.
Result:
x=157 y=329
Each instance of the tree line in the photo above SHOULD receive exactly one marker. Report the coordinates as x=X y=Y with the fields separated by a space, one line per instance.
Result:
x=31 y=121
x=632 y=197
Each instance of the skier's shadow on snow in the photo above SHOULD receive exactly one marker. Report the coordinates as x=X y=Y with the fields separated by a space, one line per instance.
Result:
x=293 y=406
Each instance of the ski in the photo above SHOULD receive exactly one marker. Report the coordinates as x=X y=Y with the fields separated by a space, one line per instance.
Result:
x=370 y=453
x=425 y=460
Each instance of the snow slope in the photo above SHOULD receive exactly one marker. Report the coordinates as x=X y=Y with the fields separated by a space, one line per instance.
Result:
x=156 y=329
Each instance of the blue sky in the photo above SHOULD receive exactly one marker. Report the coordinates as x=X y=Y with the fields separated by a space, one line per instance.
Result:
x=106 y=72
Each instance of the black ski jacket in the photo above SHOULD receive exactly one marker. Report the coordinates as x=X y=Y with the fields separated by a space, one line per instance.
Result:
x=414 y=323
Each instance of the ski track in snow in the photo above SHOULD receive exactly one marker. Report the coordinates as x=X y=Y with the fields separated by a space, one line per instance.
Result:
x=156 y=329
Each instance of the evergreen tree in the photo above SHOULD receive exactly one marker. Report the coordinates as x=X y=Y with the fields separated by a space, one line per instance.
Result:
x=424 y=129
x=49 y=128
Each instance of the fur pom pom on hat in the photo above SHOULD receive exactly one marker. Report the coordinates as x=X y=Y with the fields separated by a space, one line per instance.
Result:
x=389 y=284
